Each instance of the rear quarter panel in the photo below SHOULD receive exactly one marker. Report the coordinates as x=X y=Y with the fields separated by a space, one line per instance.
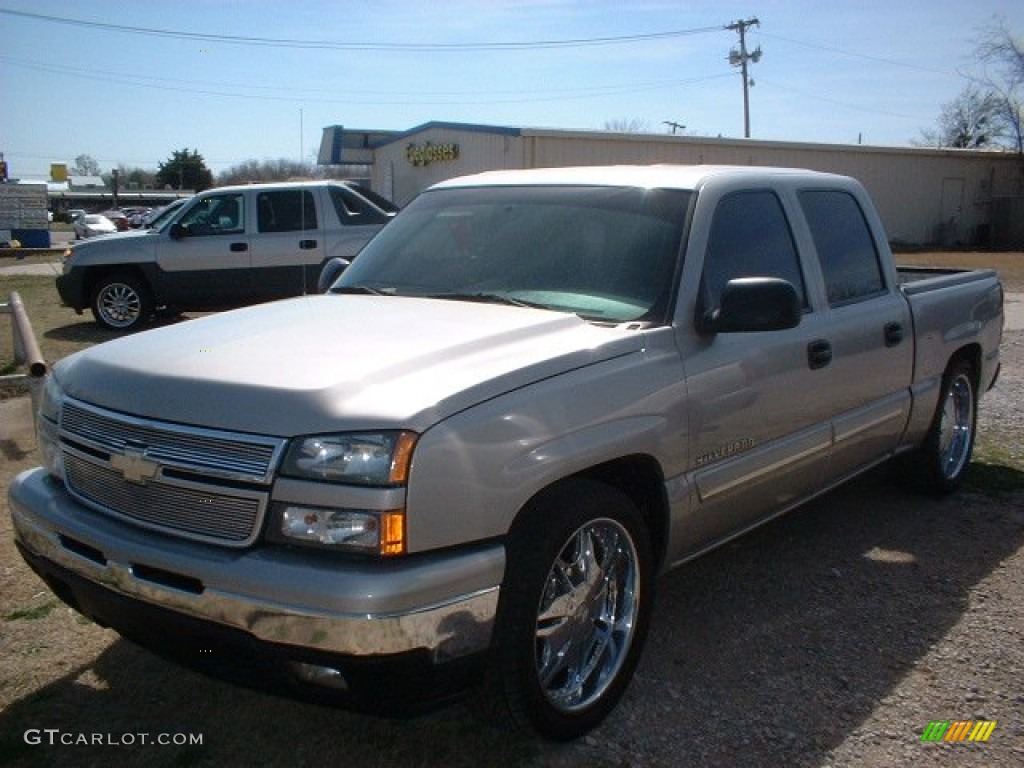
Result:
x=953 y=312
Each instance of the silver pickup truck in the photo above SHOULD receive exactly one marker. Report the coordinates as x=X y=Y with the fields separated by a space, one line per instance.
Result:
x=463 y=468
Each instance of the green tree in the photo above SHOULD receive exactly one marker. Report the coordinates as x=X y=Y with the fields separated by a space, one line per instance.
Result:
x=185 y=170
x=143 y=178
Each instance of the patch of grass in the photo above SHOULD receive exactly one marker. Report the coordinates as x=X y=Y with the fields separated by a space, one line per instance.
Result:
x=19 y=258
x=58 y=329
x=32 y=614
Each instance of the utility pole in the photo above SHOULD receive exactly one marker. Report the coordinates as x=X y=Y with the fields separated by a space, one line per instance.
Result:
x=739 y=59
x=674 y=125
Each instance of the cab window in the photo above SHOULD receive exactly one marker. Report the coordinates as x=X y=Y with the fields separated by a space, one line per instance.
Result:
x=215 y=215
x=750 y=237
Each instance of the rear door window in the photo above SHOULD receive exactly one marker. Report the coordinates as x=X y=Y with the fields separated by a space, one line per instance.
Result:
x=285 y=210
x=846 y=249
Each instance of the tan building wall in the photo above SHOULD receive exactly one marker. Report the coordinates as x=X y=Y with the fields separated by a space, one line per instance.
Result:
x=924 y=196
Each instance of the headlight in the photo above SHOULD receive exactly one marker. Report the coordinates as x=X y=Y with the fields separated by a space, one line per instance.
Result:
x=68 y=253
x=359 y=458
x=353 y=530
x=47 y=420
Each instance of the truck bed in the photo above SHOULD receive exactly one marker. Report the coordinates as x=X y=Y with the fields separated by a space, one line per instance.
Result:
x=913 y=279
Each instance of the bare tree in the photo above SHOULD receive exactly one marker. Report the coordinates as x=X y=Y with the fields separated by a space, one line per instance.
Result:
x=628 y=125
x=281 y=169
x=85 y=165
x=284 y=169
x=1001 y=56
x=971 y=121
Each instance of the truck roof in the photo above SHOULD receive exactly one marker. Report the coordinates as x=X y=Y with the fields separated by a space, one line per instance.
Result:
x=660 y=176
x=305 y=183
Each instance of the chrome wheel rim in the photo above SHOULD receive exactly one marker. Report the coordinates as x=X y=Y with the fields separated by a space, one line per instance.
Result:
x=956 y=427
x=119 y=305
x=587 y=614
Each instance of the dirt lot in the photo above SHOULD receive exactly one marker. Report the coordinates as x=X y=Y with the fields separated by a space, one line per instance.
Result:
x=832 y=637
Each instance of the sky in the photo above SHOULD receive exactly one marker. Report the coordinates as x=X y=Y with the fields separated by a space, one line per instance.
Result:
x=130 y=83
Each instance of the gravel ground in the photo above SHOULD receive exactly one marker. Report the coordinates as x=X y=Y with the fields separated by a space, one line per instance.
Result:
x=832 y=637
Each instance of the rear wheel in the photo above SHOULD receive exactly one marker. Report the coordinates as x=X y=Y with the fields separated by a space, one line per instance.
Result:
x=574 y=611
x=941 y=462
x=120 y=302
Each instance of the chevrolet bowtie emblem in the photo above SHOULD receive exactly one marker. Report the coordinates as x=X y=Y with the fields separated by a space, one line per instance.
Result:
x=134 y=465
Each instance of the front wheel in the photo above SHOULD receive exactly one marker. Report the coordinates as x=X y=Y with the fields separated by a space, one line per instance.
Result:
x=941 y=462
x=574 y=610
x=120 y=302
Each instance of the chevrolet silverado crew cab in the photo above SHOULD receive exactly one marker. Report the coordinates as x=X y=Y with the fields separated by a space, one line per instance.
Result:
x=464 y=466
x=226 y=247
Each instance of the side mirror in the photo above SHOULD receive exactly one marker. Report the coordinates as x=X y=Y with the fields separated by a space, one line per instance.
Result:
x=751 y=305
x=177 y=231
x=331 y=271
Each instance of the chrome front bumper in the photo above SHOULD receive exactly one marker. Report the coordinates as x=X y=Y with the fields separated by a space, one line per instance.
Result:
x=442 y=604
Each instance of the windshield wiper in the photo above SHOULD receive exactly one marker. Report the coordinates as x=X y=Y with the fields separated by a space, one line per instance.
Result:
x=367 y=289
x=488 y=298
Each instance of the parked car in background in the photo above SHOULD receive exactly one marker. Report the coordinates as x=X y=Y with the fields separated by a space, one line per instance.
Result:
x=229 y=246
x=93 y=224
x=119 y=219
x=136 y=215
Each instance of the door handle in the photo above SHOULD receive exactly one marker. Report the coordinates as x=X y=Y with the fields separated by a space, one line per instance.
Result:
x=819 y=354
x=893 y=334
x=239 y=247
x=307 y=245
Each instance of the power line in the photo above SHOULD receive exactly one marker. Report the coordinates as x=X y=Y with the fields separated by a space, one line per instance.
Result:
x=347 y=46
x=853 y=54
x=302 y=95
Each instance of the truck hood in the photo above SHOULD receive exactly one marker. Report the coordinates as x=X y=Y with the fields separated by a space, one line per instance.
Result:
x=116 y=247
x=323 y=363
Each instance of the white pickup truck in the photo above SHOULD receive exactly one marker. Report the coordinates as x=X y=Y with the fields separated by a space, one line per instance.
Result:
x=225 y=247
x=464 y=467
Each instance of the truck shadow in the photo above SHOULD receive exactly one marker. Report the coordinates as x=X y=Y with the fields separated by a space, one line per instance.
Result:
x=769 y=651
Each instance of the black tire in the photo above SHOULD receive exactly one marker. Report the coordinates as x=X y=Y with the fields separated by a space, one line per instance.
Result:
x=573 y=614
x=121 y=302
x=940 y=463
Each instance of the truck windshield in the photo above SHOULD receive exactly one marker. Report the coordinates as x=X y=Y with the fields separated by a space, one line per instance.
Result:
x=608 y=254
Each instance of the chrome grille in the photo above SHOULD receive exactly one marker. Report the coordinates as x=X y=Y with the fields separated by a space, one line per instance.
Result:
x=214 y=515
x=241 y=458
x=195 y=483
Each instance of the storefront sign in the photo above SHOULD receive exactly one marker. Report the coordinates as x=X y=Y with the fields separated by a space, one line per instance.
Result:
x=425 y=154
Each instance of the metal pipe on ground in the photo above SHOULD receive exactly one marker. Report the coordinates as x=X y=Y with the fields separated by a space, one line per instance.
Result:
x=26 y=348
